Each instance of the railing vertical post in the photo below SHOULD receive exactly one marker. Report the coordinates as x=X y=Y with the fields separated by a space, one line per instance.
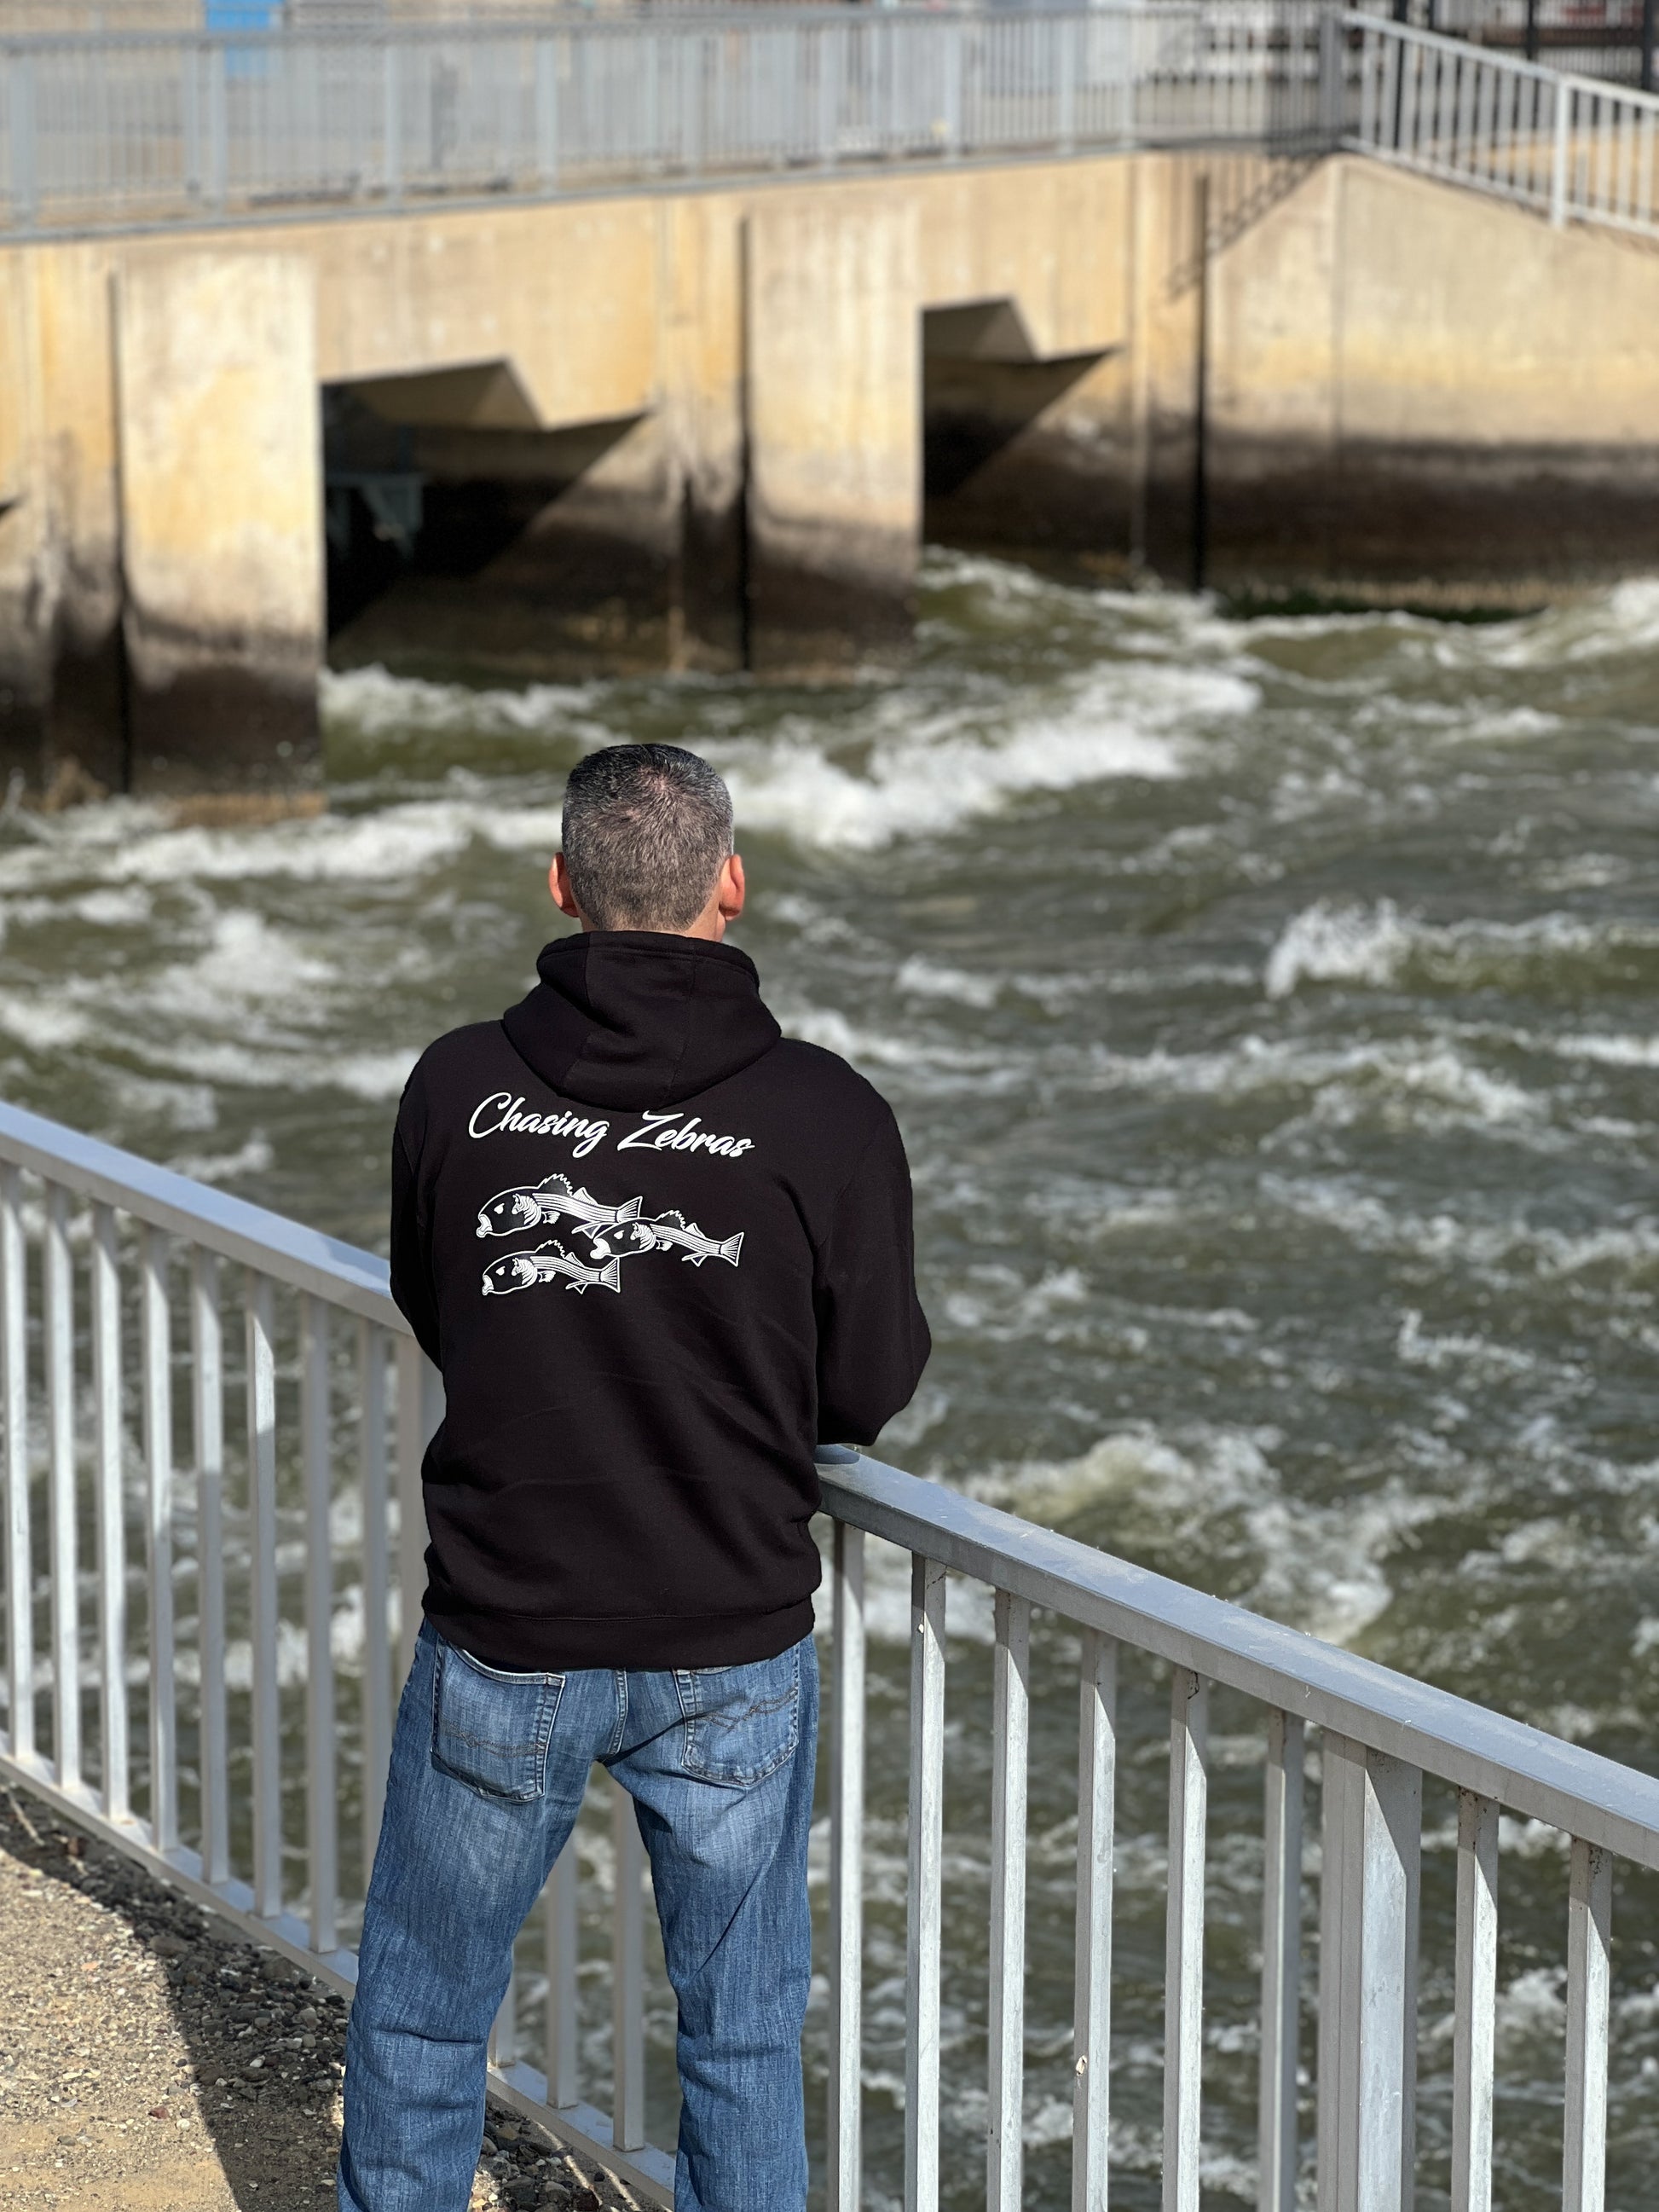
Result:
x=628 y=1977
x=1373 y=1814
x=1560 y=152
x=1590 y=1934
x=1184 y=1972
x=158 y=1467
x=842 y=2185
x=562 y=2083
x=1092 y=2034
x=25 y=180
x=1010 y=1697
x=377 y=1651
x=322 y=1819
x=1475 y=2004
x=60 y=1414
x=110 y=1507
x=391 y=119
x=14 y=1415
x=216 y=167
x=414 y=1430
x=547 y=110
x=927 y=1808
x=1332 y=36
x=1281 y=1963
x=262 y=1528
x=207 y=1444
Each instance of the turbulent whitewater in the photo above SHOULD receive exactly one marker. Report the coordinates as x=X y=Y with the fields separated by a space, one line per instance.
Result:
x=1272 y=1011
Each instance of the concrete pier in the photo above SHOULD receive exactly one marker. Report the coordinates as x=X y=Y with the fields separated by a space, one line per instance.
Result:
x=707 y=429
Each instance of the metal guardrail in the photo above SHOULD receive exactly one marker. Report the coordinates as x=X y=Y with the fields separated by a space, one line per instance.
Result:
x=254 y=1522
x=1575 y=149
x=152 y=130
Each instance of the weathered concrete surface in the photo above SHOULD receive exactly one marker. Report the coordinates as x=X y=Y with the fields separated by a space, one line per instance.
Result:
x=696 y=429
x=834 y=423
x=220 y=460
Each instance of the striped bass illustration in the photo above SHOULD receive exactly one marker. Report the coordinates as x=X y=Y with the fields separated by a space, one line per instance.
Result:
x=510 y=1212
x=523 y=1271
x=673 y=1229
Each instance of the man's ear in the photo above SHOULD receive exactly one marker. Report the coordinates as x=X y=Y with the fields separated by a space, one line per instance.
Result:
x=731 y=890
x=558 y=882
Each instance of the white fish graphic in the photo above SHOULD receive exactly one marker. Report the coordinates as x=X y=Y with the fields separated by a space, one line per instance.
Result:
x=607 y=1234
x=510 y=1212
x=523 y=1271
x=670 y=1228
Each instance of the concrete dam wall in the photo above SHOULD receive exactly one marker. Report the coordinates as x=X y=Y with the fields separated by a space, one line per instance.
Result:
x=708 y=429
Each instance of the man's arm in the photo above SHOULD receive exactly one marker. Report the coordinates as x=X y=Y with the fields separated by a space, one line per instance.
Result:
x=411 y=1273
x=872 y=1336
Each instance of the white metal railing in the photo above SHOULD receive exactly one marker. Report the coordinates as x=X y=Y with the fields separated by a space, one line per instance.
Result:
x=1575 y=149
x=213 y=1535
x=158 y=128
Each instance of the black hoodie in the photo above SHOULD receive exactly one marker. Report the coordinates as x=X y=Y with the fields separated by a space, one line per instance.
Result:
x=659 y=1252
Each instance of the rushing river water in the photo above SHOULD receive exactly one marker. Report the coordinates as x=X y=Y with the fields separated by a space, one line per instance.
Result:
x=1272 y=1010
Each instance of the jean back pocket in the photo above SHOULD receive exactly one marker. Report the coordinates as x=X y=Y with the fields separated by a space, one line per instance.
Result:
x=492 y=1730
x=742 y=1723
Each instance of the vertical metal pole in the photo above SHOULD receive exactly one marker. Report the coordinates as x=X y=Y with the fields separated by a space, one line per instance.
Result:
x=60 y=1410
x=316 y=1450
x=14 y=1416
x=547 y=110
x=562 y=2082
x=25 y=164
x=377 y=1643
x=392 y=120
x=109 y=1511
x=413 y=1433
x=1202 y=389
x=1281 y=1963
x=628 y=1977
x=842 y=2185
x=1097 y=1791
x=1560 y=152
x=1368 y=1980
x=927 y=1811
x=1590 y=1934
x=207 y=1444
x=1184 y=1971
x=158 y=1466
x=1645 y=74
x=1009 y=1736
x=262 y=1525
x=1532 y=30
x=1475 y=2004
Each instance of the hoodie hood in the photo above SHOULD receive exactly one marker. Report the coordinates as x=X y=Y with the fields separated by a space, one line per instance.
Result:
x=631 y=1018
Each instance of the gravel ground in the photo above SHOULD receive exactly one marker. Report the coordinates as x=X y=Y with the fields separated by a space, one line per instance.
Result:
x=152 y=2060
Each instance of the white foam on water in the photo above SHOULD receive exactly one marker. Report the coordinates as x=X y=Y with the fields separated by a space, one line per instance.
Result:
x=1374 y=945
x=926 y=775
x=375 y=703
x=123 y=844
x=1317 y=1566
x=1490 y=1247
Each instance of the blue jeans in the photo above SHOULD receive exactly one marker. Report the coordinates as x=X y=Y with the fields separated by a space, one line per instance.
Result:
x=488 y=1772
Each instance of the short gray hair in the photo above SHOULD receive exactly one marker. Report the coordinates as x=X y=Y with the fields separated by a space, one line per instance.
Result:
x=646 y=831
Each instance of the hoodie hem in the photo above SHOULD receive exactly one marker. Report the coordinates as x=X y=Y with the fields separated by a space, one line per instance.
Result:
x=647 y=1643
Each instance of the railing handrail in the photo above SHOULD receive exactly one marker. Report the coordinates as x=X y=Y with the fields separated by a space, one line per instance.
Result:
x=235 y=1227
x=1527 y=1770
x=1524 y=1768
x=1599 y=87
x=619 y=22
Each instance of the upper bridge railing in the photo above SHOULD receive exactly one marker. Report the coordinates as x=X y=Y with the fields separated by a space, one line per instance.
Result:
x=107 y=130
x=211 y=1422
x=1575 y=149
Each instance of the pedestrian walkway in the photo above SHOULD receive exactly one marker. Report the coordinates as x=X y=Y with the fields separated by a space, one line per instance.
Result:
x=152 y=2060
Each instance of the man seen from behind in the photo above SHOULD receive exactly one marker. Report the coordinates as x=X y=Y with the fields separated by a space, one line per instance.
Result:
x=659 y=1252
